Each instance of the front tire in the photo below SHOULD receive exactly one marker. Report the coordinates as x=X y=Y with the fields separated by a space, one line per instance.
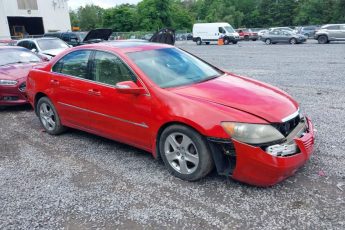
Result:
x=323 y=39
x=226 y=41
x=185 y=153
x=49 y=117
x=198 y=41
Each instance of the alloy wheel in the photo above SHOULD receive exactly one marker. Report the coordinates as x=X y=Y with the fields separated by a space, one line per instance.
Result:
x=181 y=153
x=47 y=116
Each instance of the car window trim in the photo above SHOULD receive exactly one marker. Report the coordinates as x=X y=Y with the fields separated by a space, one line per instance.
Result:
x=96 y=82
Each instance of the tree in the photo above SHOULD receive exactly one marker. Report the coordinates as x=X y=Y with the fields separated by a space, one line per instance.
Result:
x=154 y=14
x=90 y=17
x=121 y=18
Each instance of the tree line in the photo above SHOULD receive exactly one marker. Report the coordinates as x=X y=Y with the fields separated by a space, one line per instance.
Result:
x=151 y=15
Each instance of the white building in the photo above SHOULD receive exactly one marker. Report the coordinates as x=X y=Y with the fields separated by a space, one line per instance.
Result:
x=33 y=17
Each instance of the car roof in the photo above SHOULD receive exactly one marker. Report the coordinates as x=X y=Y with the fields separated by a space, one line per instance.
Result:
x=128 y=46
x=37 y=39
x=13 y=47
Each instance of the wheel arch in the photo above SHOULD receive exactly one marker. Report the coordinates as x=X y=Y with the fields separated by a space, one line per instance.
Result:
x=156 y=152
x=38 y=96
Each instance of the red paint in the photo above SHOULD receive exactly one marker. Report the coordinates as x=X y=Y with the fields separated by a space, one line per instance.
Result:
x=136 y=119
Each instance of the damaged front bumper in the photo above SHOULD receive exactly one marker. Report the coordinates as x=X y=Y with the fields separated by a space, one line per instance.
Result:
x=264 y=165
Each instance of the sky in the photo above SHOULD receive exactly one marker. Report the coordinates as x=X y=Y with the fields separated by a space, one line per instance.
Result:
x=74 y=4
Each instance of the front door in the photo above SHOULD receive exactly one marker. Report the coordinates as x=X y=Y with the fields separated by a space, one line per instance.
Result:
x=124 y=117
x=70 y=81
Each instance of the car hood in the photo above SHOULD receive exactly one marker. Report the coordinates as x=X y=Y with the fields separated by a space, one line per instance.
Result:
x=16 y=71
x=102 y=34
x=53 y=52
x=254 y=97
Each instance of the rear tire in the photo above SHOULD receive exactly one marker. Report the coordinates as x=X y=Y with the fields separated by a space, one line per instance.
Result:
x=198 y=41
x=49 y=117
x=246 y=38
x=185 y=153
x=323 y=39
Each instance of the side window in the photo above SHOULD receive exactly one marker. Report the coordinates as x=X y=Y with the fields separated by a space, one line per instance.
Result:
x=74 y=38
x=31 y=45
x=23 y=44
x=109 y=69
x=66 y=37
x=333 y=27
x=74 y=64
x=221 y=30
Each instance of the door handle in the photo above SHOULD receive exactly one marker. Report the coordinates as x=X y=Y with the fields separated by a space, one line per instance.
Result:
x=94 y=92
x=54 y=82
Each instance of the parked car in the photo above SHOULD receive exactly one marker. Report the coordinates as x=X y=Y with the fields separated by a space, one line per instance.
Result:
x=48 y=47
x=247 y=34
x=176 y=106
x=82 y=38
x=262 y=32
x=189 y=37
x=281 y=28
x=205 y=33
x=308 y=31
x=282 y=36
x=15 y=64
x=331 y=32
x=8 y=42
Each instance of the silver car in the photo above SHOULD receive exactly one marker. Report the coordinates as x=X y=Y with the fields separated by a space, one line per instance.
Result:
x=330 y=32
x=48 y=47
x=282 y=36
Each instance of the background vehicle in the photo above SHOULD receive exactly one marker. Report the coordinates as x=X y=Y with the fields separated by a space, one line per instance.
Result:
x=114 y=89
x=15 y=64
x=81 y=38
x=247 y=34
x=331 y=32
x=211 y=32
x=308 y=31
x=282 y=36
x=281 y=28
x=48 y=47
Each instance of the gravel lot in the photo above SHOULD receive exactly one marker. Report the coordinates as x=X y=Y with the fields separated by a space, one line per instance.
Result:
x=81 y=181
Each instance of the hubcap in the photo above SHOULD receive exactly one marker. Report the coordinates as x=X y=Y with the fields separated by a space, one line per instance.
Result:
x=268 y=41
x=181 y=153
x=47 y=116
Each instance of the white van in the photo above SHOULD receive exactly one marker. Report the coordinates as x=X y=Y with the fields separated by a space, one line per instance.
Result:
x=209 y=32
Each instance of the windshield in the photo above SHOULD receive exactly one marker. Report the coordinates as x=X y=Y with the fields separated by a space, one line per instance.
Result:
x=82 y=35
x=12 y=56
x=171 y=67
x=50 y=44
x=229 y=29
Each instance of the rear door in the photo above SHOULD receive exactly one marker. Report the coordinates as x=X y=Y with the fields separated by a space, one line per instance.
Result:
x=342 y=30
x=70 y=82
x=124 y=117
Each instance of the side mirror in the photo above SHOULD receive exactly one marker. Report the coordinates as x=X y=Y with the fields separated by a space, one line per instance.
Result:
x=129 y=87
x=34 y=50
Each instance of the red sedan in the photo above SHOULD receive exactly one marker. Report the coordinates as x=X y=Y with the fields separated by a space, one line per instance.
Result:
x=15 y=64
x=178 y=107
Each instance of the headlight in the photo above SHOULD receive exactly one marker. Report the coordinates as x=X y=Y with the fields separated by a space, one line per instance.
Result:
x=252 y=133
x=8 y=82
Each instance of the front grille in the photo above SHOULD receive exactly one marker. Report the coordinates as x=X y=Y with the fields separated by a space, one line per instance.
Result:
x=22 y=87
x=286 y=127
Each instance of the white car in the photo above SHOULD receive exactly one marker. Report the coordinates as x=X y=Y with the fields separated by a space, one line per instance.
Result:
x=48 y=47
